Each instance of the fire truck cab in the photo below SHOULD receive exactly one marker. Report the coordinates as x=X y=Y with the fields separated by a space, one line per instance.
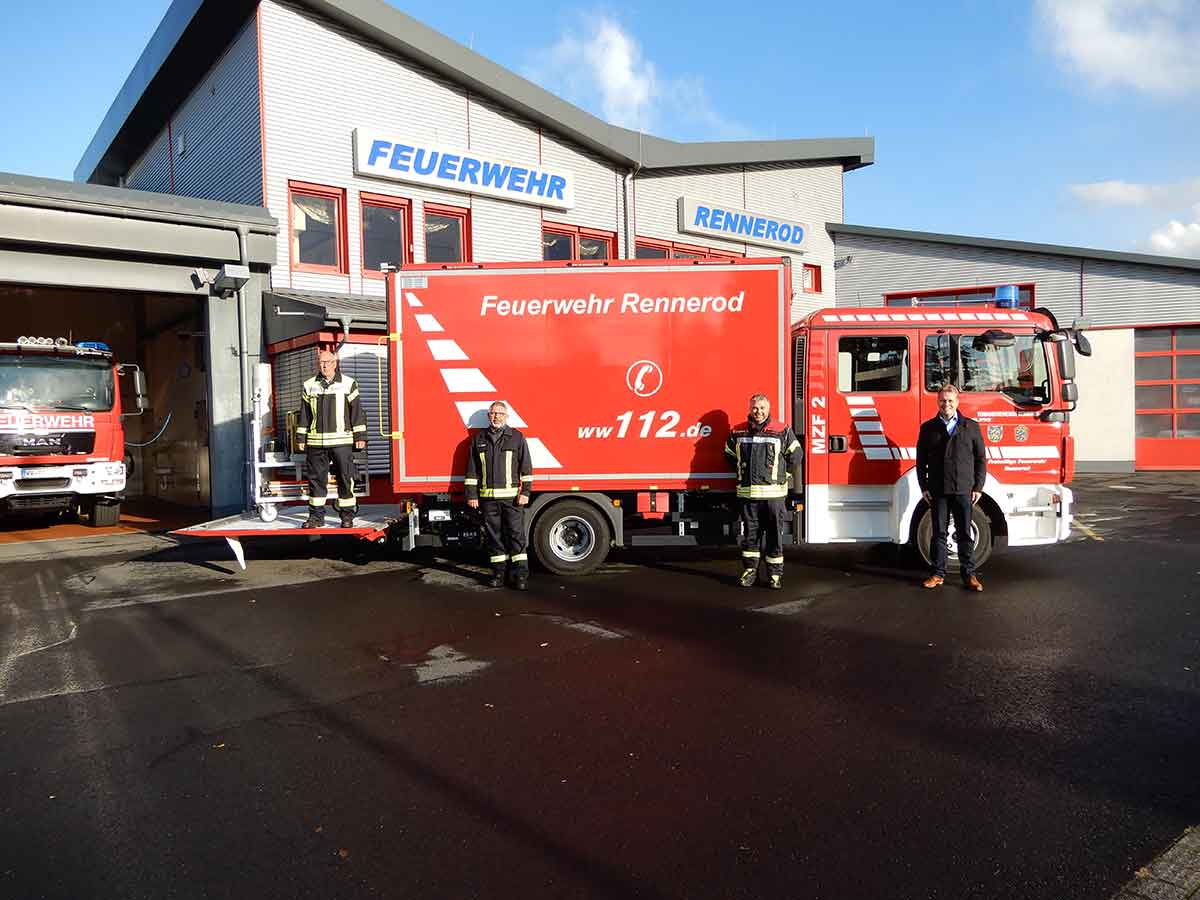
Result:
x=865 y=380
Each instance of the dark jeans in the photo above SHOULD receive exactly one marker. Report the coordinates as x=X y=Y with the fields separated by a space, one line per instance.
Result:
x=943 y=508
x=504 y=535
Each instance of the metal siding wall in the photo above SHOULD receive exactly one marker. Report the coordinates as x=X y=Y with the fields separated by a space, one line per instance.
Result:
x=595 y=186
x=153 y=171
x=219 y=126
x=291 y=368
x=218 y=122
x=657 y=195
x=887 y=265
x=362 y=363
x=1128 y=294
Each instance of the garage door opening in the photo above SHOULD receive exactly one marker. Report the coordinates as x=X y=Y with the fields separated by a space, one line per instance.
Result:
x=166 y=450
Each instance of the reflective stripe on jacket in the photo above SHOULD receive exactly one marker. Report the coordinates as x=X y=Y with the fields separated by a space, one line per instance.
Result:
x=331 y=413
x=498 y=466
x=763 y=457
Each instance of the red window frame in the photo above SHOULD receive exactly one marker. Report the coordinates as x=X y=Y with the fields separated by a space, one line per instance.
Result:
x=575 y=232
x=385 y=202
x=453 y=212
x=324 y=192
x=805 y=269
x=1174 y=381
x=698 y=252
x=967 y=289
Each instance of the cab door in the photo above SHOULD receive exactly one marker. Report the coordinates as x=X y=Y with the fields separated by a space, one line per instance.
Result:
x=873 y=420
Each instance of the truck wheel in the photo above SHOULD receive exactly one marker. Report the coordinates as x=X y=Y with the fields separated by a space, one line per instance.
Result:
x=981 y=530
x=571 y=537
x=104 y=515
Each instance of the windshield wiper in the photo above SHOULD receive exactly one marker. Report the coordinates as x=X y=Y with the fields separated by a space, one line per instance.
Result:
x=13 y=404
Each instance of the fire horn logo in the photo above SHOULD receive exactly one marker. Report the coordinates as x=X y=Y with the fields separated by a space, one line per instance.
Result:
x=644 y=378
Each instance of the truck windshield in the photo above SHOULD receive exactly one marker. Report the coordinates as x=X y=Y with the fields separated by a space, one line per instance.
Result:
x=50 y=382
x=1018 y=371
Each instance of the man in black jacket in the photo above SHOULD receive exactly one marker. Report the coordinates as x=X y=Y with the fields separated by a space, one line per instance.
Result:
x=499 y=482
x=951 y=469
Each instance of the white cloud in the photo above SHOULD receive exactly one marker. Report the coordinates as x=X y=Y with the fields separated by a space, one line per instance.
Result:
x=1125 y=193
x=608 y=74
x=1148 y=45
x=1178 y=238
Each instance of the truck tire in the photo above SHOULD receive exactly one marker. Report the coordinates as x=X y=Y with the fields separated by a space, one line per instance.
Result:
x=102 y=514
x=981 y=528
x=571 y=537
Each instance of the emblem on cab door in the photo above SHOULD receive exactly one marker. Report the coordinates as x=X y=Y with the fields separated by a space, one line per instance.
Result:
x=995 y=433
x=1021 y=433
x=644 y=378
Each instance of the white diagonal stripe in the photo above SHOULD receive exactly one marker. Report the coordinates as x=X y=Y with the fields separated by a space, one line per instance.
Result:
x=1024 y=452
x=426 y=322
x=467 y=381
x=412 y=299
x=445 y=350
x=862 y=426
x=864 y=412
x=540 y=456
x=873 y=440
x=474 y=413
x=878 y=452
x=861 y=401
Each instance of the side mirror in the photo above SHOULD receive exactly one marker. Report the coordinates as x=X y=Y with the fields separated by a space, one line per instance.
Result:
x=1056 y=415
x=1082 y=344
x=141 y=395
x=1066 y=360
x=994 y=337
x=1070 y=392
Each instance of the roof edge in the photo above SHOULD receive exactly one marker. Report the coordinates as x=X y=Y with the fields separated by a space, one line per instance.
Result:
x=1149 y=259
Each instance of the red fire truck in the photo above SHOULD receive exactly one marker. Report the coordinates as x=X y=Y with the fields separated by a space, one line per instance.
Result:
x=62 y=444
x=626 y=378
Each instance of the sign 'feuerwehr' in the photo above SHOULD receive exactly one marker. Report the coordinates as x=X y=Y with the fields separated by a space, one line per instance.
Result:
x=399 y=157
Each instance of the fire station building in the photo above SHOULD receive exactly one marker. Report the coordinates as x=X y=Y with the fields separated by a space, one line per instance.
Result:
x=353 y=136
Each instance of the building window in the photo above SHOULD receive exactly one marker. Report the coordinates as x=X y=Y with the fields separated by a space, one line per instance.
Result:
x=651 y=248
x=318 y=228
x=1167 y=372
x=972 y=296
x=447 y=234
x=567 y=242
x=873 y=364
x=811 y=279
x=386 y=233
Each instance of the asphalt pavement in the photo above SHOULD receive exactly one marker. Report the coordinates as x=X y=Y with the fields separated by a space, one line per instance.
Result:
x=341 y=722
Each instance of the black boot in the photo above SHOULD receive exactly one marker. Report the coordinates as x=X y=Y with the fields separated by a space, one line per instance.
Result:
x=497 y=579
x=347 y=516
x=314 y=520
x=520 y=581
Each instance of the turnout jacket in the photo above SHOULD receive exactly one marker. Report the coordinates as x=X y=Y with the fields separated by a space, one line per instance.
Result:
x=763 y=456
x=498 y=465
x=951 y=464
x=331 y=414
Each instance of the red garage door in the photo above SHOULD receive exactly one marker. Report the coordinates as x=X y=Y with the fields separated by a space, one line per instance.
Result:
x=1167 y=371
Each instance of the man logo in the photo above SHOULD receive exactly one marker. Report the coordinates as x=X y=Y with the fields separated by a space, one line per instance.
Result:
x=644 y=378
x=995 y=433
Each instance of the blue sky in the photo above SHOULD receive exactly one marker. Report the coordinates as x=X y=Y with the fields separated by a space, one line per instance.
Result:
x=1059 y=121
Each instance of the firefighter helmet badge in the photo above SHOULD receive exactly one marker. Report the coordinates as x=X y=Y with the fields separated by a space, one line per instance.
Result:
x=995 y=433
x=1021 y=433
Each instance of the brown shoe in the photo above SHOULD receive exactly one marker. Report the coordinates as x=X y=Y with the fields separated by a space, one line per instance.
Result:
x=933 y=581
x=973 y=584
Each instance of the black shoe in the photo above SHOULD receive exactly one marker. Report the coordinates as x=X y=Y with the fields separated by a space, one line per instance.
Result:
x=521 y=583
x=496 y=581
x=749 y=576
x=314 y=522
x=347 y=520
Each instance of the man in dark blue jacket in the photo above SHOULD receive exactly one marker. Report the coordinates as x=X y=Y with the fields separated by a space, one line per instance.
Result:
x=951 y=470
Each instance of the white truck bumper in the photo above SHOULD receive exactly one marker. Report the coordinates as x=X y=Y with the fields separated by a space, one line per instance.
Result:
x=98 y=478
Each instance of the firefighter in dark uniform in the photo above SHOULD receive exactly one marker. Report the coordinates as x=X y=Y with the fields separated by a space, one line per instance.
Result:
x=763 y=453
x=332 y=426
x=499 y=481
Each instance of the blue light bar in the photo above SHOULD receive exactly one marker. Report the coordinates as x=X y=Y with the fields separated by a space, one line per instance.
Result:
x=1008 y=296
x=94 y=345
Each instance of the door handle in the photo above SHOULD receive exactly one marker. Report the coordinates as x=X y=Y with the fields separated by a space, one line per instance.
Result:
x=837 y=443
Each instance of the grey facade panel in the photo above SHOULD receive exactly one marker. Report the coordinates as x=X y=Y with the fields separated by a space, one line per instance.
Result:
x=1128 y=294
x=153 y=171
x=870 y=267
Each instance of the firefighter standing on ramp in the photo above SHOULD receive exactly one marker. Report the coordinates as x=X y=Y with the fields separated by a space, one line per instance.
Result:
x=332 y=426
x=499 y=481
x=763 y=453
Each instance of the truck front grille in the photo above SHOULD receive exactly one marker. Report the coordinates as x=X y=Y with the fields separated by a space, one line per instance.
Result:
x=42 y=484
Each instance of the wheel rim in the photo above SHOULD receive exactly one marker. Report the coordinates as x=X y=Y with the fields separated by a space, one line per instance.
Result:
x=572 y=539
x=952 y=544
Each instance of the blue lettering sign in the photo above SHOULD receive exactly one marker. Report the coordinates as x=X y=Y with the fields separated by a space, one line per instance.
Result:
x=772 y=229
x=516 y=181
x=797 y=235
x=449 y=167
x=469 y=170
x=785 y=232
x=557 y=185
x=714 y=220
x=760 y=226
x=401 y=155
x=537 y=183
x=702 y=216
x=494 y=174
x=746 y=224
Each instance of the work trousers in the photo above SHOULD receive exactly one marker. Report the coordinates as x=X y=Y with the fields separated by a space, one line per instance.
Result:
x=316 y=462
x=504 y=535
x=762 y=531
x=944 y=508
